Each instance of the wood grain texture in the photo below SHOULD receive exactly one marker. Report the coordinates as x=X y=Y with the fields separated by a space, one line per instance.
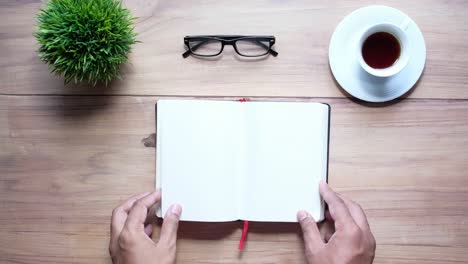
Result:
x=303 y=29
x=66 y=161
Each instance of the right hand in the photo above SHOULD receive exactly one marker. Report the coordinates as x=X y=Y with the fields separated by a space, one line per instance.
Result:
x=352 y=241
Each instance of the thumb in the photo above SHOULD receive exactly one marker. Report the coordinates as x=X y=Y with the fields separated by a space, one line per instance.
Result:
x=310 y=229
x=170 y=225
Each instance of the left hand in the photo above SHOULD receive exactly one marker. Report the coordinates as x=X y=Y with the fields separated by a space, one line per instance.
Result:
x=131 y=230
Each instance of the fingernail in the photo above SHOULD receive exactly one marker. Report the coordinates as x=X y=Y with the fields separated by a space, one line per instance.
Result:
x=302 y=215
x=176 y=209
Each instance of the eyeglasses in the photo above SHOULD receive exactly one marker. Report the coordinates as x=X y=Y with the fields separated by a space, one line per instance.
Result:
x=247 y=46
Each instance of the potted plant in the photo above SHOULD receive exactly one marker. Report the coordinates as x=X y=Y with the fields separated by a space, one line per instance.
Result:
x=85 y=40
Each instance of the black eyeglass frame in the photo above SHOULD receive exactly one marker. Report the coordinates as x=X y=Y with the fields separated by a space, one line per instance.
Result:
x=229 y=40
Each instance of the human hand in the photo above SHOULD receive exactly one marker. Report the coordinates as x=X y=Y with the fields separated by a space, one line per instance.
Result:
x=352 y=241
x=131 y=230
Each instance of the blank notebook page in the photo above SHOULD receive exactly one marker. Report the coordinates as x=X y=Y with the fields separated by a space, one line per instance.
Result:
x=287 y=145
x=198 y=151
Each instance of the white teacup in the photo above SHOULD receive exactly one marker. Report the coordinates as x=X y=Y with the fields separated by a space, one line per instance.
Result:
x=399 y=32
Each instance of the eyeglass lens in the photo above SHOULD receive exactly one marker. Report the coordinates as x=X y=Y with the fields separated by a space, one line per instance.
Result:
x=252 y=47
x=205 y=47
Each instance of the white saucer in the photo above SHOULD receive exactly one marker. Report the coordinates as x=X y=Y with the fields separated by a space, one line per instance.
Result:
x=349 y=73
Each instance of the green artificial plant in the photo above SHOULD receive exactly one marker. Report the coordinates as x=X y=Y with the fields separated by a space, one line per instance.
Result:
x=85 y=40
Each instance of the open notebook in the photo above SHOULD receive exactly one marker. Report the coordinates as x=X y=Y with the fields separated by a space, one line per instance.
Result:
x=230 y=160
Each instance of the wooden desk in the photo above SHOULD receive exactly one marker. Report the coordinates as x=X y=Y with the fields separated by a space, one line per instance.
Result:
x=69 y=154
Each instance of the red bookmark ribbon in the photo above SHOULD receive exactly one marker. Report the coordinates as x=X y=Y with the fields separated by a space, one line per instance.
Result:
x=245 y=229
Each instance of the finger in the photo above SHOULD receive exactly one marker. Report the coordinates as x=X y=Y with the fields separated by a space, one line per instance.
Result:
x=152 y=218
x=338 y=210
x=357 y=213
x=149 y=230
x=127 y=205
x=137 y=216
x=119 y=216
x=327 y=229
x=170 y=225
x=312 y=238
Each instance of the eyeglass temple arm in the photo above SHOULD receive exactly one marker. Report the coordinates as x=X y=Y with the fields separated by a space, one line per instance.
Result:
x=272 y=52
x=186 y=54
x=194 y=48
